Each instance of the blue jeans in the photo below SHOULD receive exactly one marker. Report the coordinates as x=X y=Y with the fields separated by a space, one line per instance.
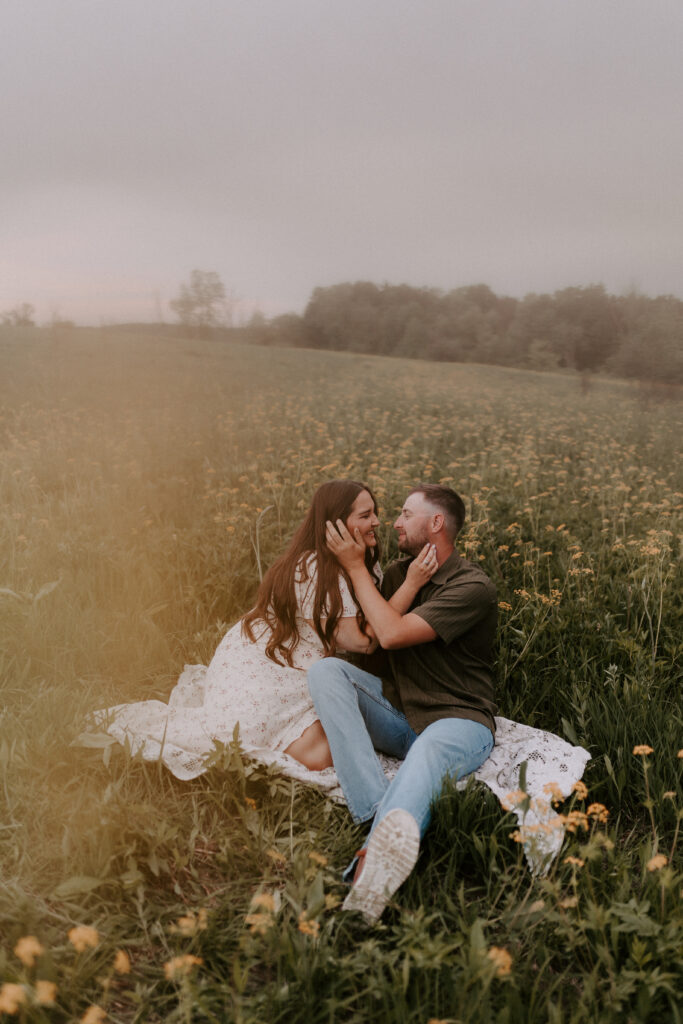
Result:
x=358 y=719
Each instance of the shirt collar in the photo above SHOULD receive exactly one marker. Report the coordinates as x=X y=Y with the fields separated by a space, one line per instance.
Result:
x=447 y=569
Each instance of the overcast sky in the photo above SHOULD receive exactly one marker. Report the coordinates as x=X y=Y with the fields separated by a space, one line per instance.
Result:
x=285 y=144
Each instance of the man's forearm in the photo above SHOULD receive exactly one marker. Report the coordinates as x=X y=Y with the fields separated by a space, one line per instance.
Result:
x=382 y=617
x=393 y=629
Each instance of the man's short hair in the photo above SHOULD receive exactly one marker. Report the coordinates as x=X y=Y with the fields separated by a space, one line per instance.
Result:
x=448 y=502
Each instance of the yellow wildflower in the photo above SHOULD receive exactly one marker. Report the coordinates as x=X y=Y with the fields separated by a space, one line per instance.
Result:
x=181 y=966
x=505 y=606
x=184 y=925
x=501 y=960
x=191 y=923
x=11 y=997
x=657 y=862
x=45 y=992
x=250 y=802
x=265 y=900
x=317 y=858
x=308 y=927
x=94 y=1015
x=554 y=792
x=513 y=799
x=569 y=902
x=122 y=962
x=597 y=811
x=276 y=856
x=580 y=789
x=82 y=936
x=669 y=795
x=642 y=749
x=574 y=861
x=575 y=820
x=27 y=949
x=258 y=923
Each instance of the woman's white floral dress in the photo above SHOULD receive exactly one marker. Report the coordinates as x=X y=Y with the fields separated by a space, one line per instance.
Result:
x=242 y=685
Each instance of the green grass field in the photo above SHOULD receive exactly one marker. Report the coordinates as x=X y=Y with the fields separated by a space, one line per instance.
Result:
x=143 y=484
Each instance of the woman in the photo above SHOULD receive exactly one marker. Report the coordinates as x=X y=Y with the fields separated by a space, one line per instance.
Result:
x=256 y=682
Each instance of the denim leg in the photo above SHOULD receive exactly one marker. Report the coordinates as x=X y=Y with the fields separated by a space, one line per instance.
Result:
x=448 y=748
x=357 y=718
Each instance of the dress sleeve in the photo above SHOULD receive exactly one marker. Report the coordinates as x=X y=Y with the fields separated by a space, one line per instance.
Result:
x=305 y=580
x=349 y=606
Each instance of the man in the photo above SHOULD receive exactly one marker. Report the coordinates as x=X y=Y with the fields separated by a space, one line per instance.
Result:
x=433 y=706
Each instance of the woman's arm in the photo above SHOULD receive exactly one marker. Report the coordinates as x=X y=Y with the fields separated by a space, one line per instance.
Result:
x=394 y=630
x=420 y=571
x=349 y=636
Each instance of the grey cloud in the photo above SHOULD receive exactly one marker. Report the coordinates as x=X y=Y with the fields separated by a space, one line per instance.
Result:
x=530 y=144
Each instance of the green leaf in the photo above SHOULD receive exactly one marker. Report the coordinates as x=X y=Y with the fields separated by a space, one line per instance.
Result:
x=315 y=897
x=93 y=740
x=634 y=918
x=522 y=775
x=46 y=589
x=570 y=732
x=77 y=885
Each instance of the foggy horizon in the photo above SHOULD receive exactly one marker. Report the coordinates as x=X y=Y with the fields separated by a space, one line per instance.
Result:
x=530 y=147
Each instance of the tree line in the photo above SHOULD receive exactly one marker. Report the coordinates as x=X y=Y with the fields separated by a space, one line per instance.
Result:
x=581 y=328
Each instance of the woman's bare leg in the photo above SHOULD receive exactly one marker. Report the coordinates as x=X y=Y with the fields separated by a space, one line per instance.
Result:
x=311 y=748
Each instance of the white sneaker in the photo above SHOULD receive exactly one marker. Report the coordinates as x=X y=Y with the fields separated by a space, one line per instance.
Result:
x=389 y=858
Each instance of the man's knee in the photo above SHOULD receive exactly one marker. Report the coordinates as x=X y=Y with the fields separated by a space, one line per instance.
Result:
x=325 y=673
x=457 y=745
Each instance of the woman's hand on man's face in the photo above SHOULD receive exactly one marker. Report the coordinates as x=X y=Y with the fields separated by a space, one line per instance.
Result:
x=422 y=567
x=349 y=551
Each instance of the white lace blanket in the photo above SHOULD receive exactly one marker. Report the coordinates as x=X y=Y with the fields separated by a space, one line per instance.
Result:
x=176 y=735
x=553 y=766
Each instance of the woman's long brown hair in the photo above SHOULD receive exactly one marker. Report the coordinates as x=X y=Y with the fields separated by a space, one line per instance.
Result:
x=276 y=603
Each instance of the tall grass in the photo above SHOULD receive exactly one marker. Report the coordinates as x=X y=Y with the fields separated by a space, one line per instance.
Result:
x=141 y=483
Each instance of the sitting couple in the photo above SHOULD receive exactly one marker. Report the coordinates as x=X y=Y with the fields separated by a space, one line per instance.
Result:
x=423 y=635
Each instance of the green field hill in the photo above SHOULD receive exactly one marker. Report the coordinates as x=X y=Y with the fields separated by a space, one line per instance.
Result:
x=146 y=482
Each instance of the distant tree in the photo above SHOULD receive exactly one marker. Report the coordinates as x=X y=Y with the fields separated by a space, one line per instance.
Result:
x=20 y=316
x=652 y=347
x=534 y=337
x=592 y=327
x=200 y=306
x=577 y=328
x=287 y=330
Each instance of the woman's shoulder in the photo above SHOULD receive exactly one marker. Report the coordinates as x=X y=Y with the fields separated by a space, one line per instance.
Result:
x=306 y=568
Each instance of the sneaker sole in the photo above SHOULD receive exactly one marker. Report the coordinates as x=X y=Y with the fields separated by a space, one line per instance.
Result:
x=391 y=856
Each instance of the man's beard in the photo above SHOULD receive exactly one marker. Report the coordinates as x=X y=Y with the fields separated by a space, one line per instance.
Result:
x=413 y=547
